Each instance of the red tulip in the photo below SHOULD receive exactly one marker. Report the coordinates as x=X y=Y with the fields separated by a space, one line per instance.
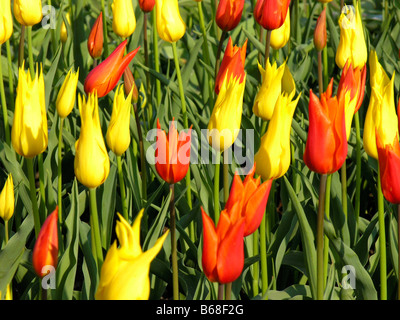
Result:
x=389 y=166
x=172 y=153
x=147 y=5
x=229 y=13
x=105 y=76
x=232 y=64
x=326 y=146
x=45 y=251
x=252 y=198
x=223 y=248
x=271 y=14
x=320 y=36
x=95 y=41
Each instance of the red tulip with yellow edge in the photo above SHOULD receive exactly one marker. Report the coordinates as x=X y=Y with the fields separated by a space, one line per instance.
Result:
x=326 y=146
x=96 y=38
x=271 y=14
x=106 y=75
x=229 y=13
x=45 y=251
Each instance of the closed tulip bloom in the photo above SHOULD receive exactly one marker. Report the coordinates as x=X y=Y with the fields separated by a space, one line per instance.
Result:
x=6 y=21
x=320 y=36
x=252 y=195
x=63 y=30
x=125 y=271
x=223 y=248
x=105 y=76
x=67 y=94
x=147 y=5
x=273 y=157
x=381 y=108
x=91 y=163
x=28 y=12
x=130 y=85
x=45 y=251
x=118 y=134
x=229 y=13
x=352 y=44
x=172 y=153
x=274 y=82
x=7 y=200
x=29 y=134
x=281 y=36
x=170 y=26
x=124 y=21
x=326 y=146
x=271 y=14
x=96 y=38
x=232 y=64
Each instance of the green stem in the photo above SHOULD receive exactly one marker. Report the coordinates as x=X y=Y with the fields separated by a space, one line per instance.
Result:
x=10 y=75
x=4 y=105
x=122 y=188
x=146 y=61
x=343 y=175
x=263 y=256
x=327 y=214
x=32 y=189
x=228 y=291
x=256 y=270
x=216 y=187
x=96 y=228
x=174 y=254
x=156 y=55
x=6 y=231
x=358 y=168
x=219 y=51
x=320 y=77
x=382 y=240
x=105 y=31
x=59 y=191
x=30 y=53
x=142 y=156
x=21 y=48
x=220 y=291
x=325 y=56
x=267 y=47
x=320 y=238
x=41 y=187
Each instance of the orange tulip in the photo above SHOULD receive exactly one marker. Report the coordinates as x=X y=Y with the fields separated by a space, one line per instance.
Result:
x=229 y=13
x=320 y=36
x=105 y=76
x=147 y=5
x=96 y=39
x=45 y=251
x=271 y=14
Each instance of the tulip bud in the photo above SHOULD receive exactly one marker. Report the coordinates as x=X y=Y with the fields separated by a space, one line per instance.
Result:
x=96 y=39
x=6 y=21
x=45 y=251
x=320 y=36
x=28 y=12
x=147 y=5
x=170 y=26
x=64 y=31
x=124 y=21
x=7 y=199
x=130 y=85
x=66 y=97
x=229 y=13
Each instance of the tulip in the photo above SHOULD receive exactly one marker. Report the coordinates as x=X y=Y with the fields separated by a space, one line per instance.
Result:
x=6 y=21
x=45 y=251
x=172 y=153
x=273 y=157
x=124 y=21
x=252 y=197
x=125 y=271
x=130 y=85
x=229 y=13
x=326 y=146
x=170 y=26
x=281 y=36
x=96 y=38
x=118 y=133
x=320 y=37
x=91 y=164
x=274 y=82
x=67 y=94
x=29 y=134
x=223 y=249
x=147 y=5
x=105 y=76
x=352 y=44
x=28 y=12
x=63 y=30
x=271 y=14
x=7 y=199
x=389 y=165
x=232 y=64
x=381 y=108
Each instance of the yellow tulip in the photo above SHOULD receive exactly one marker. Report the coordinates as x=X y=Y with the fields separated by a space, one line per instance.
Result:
x=274 y=82
x=124 y=21
x=352 y=44
x=273 y=157
x=280 y=36
x=118 y=134
x=28 y=12
x=91 y=164
x=170 y=26
x=64 y=31
x=6 y=21
x=125 y=271
x=381 y=113
x=29 y=134
x=7 y=199
x=67 y=94
x=224 y=124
